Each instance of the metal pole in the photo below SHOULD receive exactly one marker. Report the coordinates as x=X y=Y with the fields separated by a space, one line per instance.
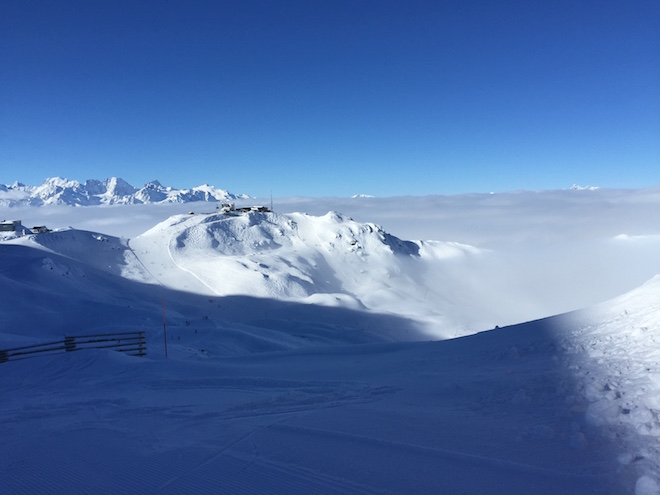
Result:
x=164 y=328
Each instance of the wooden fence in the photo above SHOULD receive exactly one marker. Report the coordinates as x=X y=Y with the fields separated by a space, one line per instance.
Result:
x=132 y=343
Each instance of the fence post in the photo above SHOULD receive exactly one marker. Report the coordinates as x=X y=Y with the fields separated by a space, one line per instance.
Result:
x=69 y=344
x=143 y=344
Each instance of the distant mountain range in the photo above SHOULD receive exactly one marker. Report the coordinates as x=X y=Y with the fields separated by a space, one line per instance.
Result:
x=59 y=191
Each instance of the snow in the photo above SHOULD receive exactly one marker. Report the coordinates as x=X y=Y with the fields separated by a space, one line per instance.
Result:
x=314 y=353
x=576 y=187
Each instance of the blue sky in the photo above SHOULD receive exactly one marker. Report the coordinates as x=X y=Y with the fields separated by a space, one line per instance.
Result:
x=332 y=98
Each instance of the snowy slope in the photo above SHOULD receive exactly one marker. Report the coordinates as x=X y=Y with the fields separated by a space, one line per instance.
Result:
x=73 y=281
x=104 y=252
x=324 y=383
x=611 y=354
x=615 y=356
x=524 y=409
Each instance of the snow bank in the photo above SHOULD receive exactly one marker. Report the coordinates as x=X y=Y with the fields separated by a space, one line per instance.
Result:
x=615 y=356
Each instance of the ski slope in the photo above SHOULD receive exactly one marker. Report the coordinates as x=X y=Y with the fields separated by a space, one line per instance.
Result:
x=303 y=358
x=521 y=409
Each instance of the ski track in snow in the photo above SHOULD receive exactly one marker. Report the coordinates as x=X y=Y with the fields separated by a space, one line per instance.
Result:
x=169 y=252
x=155 y=254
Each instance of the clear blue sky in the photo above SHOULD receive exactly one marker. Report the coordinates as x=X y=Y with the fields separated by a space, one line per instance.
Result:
x=332 y=97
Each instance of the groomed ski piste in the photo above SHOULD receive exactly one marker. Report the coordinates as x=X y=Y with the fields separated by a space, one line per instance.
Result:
x=312 y=354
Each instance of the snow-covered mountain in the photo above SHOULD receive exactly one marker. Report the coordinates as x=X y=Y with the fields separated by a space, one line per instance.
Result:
x=59 y=191
x=330 y=260
x=577 y=187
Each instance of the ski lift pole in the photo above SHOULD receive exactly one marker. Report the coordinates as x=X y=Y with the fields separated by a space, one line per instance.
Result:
x=164 y=328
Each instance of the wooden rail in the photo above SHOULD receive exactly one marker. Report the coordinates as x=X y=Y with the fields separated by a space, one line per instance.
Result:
x=132 y=343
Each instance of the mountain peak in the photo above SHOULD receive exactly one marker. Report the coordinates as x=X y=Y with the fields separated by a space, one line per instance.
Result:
x=113 y=190
x=577 y=187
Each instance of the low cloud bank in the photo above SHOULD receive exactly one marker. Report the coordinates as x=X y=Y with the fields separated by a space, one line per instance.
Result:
x=542 y=252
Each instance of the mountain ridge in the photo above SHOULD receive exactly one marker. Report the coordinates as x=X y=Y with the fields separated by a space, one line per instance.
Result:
x=109 y=191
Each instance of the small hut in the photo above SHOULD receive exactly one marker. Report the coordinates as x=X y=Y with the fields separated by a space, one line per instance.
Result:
x=10 y=226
